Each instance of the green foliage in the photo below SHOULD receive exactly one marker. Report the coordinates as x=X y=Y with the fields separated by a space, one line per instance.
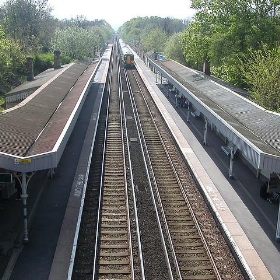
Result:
x=42 y=62
x=261 y=71
x=12 y=62
x=174 y=48
x=2 y=102
x=196 y=45
x=29 y=22
x=151 y=33
x=74 y=41
x=223 y=31
x=153 y=39
x=27 y=29
x=80 y=43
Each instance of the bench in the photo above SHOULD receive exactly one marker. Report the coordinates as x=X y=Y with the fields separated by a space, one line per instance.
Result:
x=226 y=150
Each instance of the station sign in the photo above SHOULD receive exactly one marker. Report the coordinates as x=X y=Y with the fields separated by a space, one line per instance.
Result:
x=22 y=160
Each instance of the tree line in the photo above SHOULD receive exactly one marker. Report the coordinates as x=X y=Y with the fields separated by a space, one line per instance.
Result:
x=27 y=28
x=236 y=41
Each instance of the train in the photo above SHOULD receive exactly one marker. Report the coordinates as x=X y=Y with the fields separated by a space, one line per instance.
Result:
x=127 y=56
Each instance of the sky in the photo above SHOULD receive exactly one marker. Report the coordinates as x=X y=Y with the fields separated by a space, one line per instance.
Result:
x=117 y=12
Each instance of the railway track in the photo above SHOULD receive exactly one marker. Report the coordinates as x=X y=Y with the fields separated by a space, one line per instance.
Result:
x=107 y=252
x=189 y=250
x=114 y=248
x=139 y=183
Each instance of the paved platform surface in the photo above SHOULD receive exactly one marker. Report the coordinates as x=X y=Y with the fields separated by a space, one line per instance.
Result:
x=256 y=217
x=50 y=198
x=250 y=219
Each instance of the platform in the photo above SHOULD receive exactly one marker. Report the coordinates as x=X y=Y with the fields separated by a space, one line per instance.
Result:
x=246 y=218
x=249 y=221
x=48 y=201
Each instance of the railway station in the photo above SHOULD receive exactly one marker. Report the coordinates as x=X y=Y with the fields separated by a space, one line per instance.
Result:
x=231 y=144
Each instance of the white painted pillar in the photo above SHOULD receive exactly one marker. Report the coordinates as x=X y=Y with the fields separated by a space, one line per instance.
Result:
x=205 y=133
x=278 y=225
x=22 y=178
x=231 y=162
x=24 y=197
x=188 y=113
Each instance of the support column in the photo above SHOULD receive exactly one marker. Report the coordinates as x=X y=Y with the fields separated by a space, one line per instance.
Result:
x=258 y=173
x=188 y=113
x=278 y=226
x=24 y=197
x=205 y=133
x=52 y=172
x=230 y=174
x=24 y=180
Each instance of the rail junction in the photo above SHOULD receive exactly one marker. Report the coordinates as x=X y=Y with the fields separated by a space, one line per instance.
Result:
x=30 y=148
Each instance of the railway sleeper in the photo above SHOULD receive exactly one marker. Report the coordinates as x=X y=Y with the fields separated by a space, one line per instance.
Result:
x=112 y=214
x=189 y=244
x=168 y=192
x=118 y=193
x=109 y=171
x=120 y=219
x=175 y=218
x=113 y=246
x=110 y=238
x=200 y=277
x=188 y=251
x=116 y=254
x=200 y=268
x=113 y=226
x=115 y=262
x=185 y=253
x=120 y=207
x=187 y=221
x=194 y=258
x=113 y=271
x=114 y=222
x=109 y=204
x=177 y=209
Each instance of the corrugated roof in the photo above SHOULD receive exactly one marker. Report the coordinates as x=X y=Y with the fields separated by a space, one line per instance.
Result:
x=34 y=127
x=259 y=126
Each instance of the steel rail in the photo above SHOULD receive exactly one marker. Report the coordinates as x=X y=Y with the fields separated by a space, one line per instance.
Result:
x=147 y=163
x=178 y=269
x=132 y=185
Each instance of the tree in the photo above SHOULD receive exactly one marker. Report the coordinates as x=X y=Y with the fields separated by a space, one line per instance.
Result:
x=134 y=30
x=75 y=42
x=79 y=43
x=28 y=21
x=153 y=39
x=174 y=48
x=261 y=71
x=11 y=62
x=231 y=28
x=196 y=45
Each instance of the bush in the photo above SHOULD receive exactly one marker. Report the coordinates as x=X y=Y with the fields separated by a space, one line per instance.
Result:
x=45 y=61
x=42 y=62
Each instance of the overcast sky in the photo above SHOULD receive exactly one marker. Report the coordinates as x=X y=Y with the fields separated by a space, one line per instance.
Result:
x=117 y=12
